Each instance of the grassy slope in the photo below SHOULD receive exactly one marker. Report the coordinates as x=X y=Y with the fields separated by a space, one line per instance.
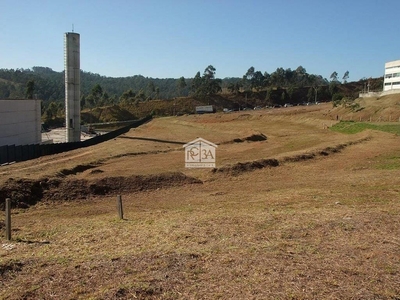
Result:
x=355 y=127
x=320 y=228
x=383 y=109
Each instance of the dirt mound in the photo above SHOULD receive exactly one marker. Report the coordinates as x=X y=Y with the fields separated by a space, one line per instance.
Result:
x=22 y=192
x=256 y=138
x=106 y=114
x=239 y=168
x=252 y=138
x=28 y=192
x=139 y=183
x=325 y=152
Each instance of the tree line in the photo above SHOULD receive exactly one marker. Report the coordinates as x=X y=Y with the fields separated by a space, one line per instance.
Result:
x=96 y=90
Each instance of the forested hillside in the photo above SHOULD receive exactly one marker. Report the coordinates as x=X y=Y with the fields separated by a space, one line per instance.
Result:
x=49 y=84
x=133 y=93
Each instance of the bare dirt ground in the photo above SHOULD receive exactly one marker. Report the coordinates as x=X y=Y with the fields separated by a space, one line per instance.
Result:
x=321 y=222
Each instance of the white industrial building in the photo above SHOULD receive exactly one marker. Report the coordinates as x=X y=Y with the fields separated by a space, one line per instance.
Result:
x=391 y=80
x=20 y=122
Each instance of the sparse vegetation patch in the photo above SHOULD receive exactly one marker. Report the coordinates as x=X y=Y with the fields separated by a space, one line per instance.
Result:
x=351 y=127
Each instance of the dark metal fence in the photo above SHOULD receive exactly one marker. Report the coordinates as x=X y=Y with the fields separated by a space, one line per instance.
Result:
x=12 y=153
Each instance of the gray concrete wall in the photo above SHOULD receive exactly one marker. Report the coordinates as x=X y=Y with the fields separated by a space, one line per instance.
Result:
x=378 y=94
x=20 y=122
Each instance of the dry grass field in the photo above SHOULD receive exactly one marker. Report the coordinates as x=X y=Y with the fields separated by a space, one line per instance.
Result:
x=322 y=223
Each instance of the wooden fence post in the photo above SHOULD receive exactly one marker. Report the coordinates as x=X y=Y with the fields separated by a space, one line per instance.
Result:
x=8 y=219
x=119 y=207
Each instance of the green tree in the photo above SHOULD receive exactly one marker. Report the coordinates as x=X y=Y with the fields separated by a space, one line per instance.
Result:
x=157 y=92
x=289 y=76
x=105 y=99
x=268 y=96
x=141 y=96
x=345 y=76
x=290 y=91
x=127 y=97
x=83 y=101
x=30 y=87
x=257 y=81
x=151 y=88
x=334 y=76
x=333 y=87
x=207 y=84
x=333 y=84
x=196 y=83
x=267 y=79
x=253 y=79
x=310 y=94
x=301 y=76
x=97 y=91
x=181 y=85
x=247 y=79
x=211 y=84
x=95 y=96
x=234 y=87
x=283 y=96
x=278 y=77
x=53 y=110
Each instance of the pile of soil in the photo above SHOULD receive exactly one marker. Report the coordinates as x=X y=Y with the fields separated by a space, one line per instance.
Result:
x=240 y=168
x=252 y=138
x=325 y=152
x=256 y=138
x=24 y=192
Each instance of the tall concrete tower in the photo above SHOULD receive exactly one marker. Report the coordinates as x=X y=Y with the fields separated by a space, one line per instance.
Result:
x=72 y=86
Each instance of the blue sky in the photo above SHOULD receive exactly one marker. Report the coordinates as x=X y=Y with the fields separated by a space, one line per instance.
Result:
x=174 y=38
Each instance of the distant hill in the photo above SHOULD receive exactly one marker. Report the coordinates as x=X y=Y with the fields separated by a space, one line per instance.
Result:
x=49 y=84
x=163 y=97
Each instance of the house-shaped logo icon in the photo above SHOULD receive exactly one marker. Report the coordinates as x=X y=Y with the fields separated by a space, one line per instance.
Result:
x=200 y=153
